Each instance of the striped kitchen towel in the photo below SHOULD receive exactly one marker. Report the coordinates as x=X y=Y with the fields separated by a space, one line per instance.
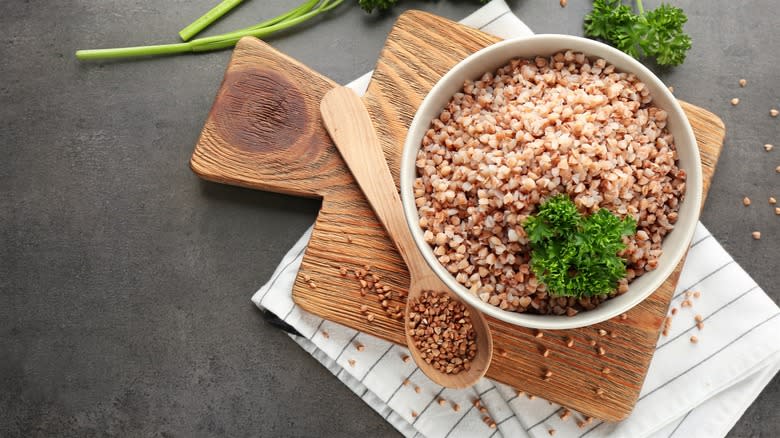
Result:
x=691 y=390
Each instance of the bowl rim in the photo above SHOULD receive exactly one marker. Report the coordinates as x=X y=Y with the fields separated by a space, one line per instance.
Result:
x=582 y=319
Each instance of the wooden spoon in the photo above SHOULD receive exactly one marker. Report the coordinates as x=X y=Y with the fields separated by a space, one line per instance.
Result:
x=350 y=127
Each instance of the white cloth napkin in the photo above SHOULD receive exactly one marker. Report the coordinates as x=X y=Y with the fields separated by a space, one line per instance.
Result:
x=691 y=390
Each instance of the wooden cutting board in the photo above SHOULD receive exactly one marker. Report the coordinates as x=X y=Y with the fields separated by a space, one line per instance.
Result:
x=264 y=132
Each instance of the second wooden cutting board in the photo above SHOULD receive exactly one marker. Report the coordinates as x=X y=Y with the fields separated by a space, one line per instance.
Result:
x=264 y=132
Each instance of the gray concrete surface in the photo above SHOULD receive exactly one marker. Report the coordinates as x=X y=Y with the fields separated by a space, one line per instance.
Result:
x=125 y=281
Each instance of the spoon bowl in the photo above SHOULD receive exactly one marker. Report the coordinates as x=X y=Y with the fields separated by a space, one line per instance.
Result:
x=351 y=129
x=479 y=365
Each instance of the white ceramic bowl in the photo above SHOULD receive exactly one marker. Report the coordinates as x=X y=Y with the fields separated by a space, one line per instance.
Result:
x=497 y=55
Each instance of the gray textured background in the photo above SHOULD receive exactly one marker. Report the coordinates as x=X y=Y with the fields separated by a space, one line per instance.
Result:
x=125 y=280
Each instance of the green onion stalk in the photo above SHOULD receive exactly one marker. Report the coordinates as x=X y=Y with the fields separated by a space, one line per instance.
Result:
x=303 y=12
x=208 y=18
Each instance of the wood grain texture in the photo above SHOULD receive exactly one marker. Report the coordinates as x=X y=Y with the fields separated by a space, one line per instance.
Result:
x=419 y=49
x=264 y=113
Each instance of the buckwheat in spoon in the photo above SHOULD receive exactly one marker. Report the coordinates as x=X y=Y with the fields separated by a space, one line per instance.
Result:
x=448 y=339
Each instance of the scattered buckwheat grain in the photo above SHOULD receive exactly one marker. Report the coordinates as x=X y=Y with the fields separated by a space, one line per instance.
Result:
x=773 y=112
x=735 y=101
x=772 y=200
x=351 y=362
x=606 y=370
x=756 y=235
x=768 y=147
x=694 y=339
x=742 y=82
x=667 y=326
x=745 y=201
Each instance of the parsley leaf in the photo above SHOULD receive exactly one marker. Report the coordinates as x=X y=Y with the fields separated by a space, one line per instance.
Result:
x=370 y=5
x=573 y=255
x=653 y=34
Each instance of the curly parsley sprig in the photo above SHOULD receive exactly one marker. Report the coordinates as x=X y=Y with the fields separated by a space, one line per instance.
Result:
x=574 y=255
x=653 y=34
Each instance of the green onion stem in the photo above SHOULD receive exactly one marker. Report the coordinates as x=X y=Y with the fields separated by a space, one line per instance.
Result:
x=206 y=19
x=291 y=18
x=128 y=52
x=260 y=30
x=639 y=7
x=292 y=13
x=229 y=39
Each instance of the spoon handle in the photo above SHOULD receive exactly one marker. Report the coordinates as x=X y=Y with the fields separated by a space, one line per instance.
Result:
x=349 y=125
